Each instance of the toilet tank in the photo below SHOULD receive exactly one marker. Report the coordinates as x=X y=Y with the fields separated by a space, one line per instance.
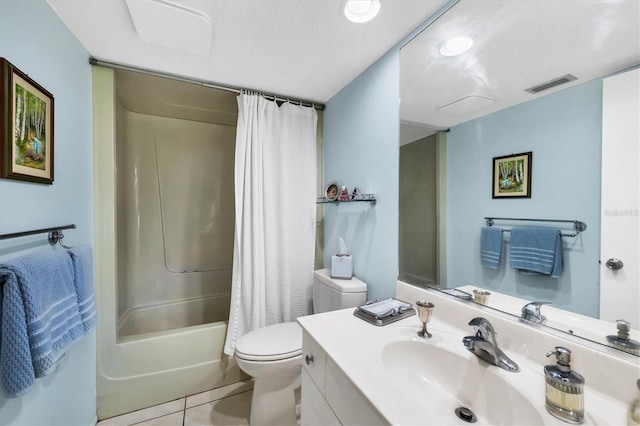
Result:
x=331 y=294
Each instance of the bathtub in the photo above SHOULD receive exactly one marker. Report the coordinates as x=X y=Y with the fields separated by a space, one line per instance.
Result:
x=162 y=277
x=156 y=367
x=163 y=352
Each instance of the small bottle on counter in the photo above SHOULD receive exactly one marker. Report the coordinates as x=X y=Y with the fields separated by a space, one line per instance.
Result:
x=633 y=417
x=564 y=397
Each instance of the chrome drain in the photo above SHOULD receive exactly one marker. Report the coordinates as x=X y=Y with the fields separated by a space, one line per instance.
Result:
x=465 y=414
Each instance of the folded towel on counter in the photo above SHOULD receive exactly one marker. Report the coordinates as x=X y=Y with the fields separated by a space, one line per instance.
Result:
x=537 y=250
x=491 y=247
x=82 y=258
x=40 y=317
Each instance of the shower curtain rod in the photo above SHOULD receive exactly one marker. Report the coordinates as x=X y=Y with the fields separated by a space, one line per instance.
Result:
x=101 y=63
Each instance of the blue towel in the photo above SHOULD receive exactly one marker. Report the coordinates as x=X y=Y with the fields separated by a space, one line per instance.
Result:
x=40 y=317
x=537 y=250
x=82 y=258
x=491 y=247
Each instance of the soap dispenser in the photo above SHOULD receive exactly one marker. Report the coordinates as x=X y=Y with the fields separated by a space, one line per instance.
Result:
x=564 y=397
x=622 y=340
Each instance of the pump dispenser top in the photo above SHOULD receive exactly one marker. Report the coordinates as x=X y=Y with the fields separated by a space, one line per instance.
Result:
x=563 y=358
x=564 y=397
x=622 y=340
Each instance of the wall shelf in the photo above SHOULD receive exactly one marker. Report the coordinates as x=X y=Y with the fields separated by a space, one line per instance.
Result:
x=367 y=198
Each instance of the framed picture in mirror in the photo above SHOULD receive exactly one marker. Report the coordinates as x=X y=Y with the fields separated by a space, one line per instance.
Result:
x=512 y=176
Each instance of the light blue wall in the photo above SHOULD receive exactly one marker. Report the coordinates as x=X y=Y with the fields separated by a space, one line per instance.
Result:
x=35 y=40
x=564 y=132
x=361 y=150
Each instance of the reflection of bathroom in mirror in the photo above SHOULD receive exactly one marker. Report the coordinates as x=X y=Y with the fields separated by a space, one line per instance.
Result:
x=536 y=78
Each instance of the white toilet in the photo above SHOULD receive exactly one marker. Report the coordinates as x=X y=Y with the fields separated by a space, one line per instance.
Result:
x=272 y=355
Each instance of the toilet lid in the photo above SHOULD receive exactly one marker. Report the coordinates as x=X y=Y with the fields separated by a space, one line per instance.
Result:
x=274 y=342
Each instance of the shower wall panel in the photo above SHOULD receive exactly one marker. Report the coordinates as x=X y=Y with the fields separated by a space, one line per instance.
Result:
x=175 y=201
x=417 y=253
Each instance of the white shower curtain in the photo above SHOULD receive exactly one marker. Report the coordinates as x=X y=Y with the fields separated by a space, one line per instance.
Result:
x=275 y=185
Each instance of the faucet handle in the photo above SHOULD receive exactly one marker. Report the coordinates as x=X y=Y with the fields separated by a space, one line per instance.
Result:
x=623 y=329
x=531 y=312
x=484 y=329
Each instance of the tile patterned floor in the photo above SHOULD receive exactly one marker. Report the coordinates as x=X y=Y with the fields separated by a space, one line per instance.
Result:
x=226 y=406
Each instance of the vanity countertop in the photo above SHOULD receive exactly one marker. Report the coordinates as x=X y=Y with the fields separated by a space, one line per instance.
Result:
x=361 y=350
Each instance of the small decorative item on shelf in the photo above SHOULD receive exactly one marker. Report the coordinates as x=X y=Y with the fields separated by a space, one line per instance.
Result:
x=344 y=195
x=355 y=195
x=331 y=192
x=335 y=194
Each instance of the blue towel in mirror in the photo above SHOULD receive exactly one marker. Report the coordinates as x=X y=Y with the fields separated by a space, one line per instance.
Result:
x=537 y=250
x=491 y=247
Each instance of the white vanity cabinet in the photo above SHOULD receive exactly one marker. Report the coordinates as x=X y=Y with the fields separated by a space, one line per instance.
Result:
x=314 y=407
x=354 y=373
x=328 y=396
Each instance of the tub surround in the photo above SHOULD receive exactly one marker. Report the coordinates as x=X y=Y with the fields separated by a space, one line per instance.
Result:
x=351 y=361
x=135 y=372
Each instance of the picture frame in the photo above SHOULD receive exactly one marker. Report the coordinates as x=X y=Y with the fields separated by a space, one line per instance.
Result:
x=27 y=114
x=332 y=191
x=512 y=176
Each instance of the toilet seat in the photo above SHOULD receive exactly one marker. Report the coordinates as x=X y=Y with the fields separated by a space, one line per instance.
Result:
x=272 y=343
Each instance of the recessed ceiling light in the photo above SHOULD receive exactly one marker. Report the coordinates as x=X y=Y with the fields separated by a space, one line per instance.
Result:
x=360 y=11
x=456 y=46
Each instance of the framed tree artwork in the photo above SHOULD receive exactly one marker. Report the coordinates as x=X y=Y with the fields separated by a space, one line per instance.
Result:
x=512 y=176
x=26 y=140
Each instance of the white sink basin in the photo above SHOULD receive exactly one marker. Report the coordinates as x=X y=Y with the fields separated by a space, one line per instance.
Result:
x=445 y=378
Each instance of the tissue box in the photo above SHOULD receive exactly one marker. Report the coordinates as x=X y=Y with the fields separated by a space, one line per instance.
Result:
x=342 y=266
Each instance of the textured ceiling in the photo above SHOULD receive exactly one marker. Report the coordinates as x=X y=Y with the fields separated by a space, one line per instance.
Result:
x=302 y=49
x=306 y=49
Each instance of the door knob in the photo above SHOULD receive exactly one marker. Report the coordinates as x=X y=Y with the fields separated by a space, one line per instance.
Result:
x=614 y=264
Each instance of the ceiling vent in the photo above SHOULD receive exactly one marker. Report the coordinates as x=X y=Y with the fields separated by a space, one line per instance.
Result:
x=171 y=25
x=549 y=84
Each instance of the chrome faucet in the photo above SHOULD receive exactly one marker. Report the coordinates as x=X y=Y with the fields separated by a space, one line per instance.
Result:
x=531 y=312
x=485 y=346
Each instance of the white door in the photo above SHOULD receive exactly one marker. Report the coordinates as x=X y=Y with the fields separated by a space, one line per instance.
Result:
x=620 y=288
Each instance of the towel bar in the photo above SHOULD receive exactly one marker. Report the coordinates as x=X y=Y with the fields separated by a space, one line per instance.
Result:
x=578 y=225
x=55 y=234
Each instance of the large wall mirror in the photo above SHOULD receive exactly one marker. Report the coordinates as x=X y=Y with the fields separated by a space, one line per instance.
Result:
x=534 y=78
